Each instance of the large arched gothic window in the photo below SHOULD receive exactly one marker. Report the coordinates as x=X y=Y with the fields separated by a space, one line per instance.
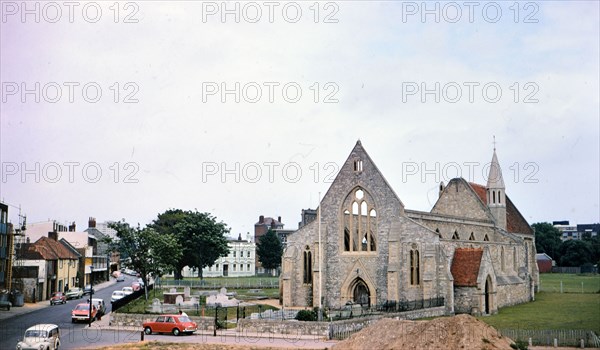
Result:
x=360 y=218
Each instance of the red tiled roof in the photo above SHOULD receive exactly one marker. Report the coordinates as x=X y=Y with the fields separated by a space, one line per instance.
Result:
x=49 y=249
x=515 y=222
x=481 y=191
x=465 y=266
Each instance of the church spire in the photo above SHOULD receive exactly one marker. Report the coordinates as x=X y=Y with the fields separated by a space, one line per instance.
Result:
x=495 y=179
x=496 y=198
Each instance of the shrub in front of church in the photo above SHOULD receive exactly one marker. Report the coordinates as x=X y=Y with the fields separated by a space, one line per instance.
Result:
x=310 y=315
x=306 y=315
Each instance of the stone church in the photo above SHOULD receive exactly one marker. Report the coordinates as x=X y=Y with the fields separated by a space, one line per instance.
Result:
x=474 y=249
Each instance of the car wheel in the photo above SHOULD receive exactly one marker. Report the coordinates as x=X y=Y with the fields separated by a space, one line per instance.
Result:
x=176 y=331
x=148 y=330
x=72 y=320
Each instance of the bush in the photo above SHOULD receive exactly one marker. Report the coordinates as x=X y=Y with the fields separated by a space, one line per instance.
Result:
x=306 y=315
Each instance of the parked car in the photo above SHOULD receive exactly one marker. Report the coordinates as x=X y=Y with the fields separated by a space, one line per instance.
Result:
x=88 y=289
x=116 y=295
x=127 y=290
x=5 y=302
x=174 y=324
x=40 y=336
x=121 y=278
x=58 y=298
x=100 y=305
x=74 y=293
x=81 y=312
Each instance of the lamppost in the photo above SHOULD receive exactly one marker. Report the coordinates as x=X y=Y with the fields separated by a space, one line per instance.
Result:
x=91 y=294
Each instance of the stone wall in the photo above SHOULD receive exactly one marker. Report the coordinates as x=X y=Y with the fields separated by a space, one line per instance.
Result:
x=512 y=294
x=293 y=330
x=464 y=300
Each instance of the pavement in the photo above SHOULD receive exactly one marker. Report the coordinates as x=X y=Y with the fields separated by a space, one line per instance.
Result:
x=31 y=307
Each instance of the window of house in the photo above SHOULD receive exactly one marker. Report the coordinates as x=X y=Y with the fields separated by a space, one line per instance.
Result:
x=472 y=237
x=485 y=238
x=455 y=235
x=360 y=218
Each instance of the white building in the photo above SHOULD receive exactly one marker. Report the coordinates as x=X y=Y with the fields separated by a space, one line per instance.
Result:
x=240 y=262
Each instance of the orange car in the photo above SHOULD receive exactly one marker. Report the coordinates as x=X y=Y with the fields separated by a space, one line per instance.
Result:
x=81 y=312
x=175 y=324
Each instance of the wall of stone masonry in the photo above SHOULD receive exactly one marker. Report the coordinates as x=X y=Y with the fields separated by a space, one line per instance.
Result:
x=512 y=294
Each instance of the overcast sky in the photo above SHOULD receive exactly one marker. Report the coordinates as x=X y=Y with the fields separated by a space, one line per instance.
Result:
x=139 y=116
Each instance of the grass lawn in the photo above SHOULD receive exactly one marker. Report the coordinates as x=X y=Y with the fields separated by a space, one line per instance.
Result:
x=550 y=282
x=551 y=311
x=227 y=282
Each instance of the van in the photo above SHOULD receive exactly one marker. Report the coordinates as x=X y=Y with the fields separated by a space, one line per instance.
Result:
x=40 y=336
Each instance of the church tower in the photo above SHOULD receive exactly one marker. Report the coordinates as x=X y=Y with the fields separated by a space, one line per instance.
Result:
x=496 y=197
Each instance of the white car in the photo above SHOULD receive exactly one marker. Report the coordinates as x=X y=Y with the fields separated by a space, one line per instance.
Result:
x=127 y=290
x=116 y=295
x=40 y=336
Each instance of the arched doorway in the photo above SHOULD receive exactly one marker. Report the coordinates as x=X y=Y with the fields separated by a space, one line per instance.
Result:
x=361 y=293
x=488 y=296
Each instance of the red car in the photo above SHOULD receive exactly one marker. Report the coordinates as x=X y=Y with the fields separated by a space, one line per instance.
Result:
x=81 y=312
x=175 y=324
x=58 y=298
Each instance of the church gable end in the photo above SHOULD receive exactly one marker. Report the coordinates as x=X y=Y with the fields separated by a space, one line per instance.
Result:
x=459 y=199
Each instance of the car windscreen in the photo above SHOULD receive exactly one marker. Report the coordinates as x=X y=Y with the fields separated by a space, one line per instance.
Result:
x=73 y=291
x=82 y=307
x=36 y=333
x=184 y=319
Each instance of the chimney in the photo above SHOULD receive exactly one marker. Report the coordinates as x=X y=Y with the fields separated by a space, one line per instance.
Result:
x=240 y=237
x=92 y=222
x=279 y=219
x=72 y=227
x=272 y=223
x=261 y=219
x=248 y=238
x=53 y=235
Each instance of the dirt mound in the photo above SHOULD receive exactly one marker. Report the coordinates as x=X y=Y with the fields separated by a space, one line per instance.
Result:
x=457 y=332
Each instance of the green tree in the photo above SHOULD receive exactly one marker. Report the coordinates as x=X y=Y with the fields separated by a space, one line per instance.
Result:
x=269 y=250
x=547 y=239
x=149 y=252
x=575 y=252
x=202 y=239
x=594 y=244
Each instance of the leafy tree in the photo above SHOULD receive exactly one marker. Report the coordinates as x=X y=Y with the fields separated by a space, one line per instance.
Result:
x=202 y=239
x=269 y=250
x=575 y=253
x=149 y=252
x=594 y=244
x=547 y=239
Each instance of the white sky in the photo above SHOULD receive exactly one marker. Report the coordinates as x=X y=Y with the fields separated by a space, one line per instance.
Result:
x=177 y=146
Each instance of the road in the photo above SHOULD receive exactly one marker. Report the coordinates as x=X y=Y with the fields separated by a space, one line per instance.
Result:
x=80 y=335
x=73 y=335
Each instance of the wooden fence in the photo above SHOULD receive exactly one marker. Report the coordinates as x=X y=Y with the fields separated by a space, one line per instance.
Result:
x=564 y=337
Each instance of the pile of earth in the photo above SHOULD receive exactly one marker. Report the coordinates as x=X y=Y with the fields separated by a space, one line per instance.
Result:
x=457 y=332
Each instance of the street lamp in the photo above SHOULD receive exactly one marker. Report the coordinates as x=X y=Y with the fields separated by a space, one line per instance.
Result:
x=91 y=294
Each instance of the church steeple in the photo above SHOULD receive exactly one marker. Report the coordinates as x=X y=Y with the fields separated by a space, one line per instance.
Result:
x=496 y=197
